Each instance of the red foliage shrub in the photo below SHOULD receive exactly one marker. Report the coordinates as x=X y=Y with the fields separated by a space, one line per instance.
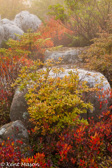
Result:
x=37 y=160
x=11 y=156
x=83 y=146
x=10 y=64
x=86 y=146
x=57 y=31
x=9 y=152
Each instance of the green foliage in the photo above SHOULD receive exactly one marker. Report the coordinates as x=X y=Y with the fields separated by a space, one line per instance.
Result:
x=58 y=11
x=99 y=55
x=86 y=18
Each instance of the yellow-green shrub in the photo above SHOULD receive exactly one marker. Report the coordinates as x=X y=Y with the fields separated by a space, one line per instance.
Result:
x=54 y=103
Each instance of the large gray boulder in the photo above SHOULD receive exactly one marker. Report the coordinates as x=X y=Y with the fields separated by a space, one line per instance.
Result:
x=68 y=55
x=24 y=20
x=1 y=34
x=7 y=21
x=18 y=110
x=15 y=131
x=92 y=78
x=100 y=99
x=10 y=29
x=19 y=106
